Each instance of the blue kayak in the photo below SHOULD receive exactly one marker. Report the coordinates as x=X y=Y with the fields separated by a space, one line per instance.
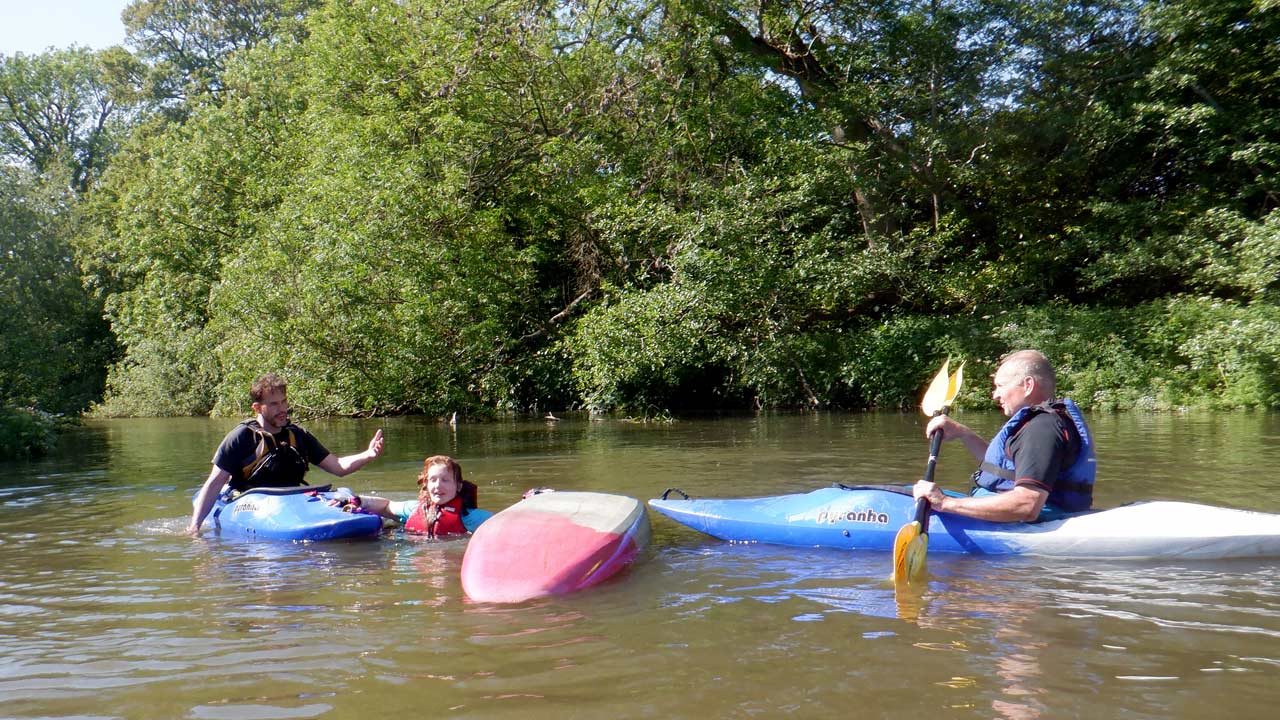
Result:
x=297 y=514
x=868 y=518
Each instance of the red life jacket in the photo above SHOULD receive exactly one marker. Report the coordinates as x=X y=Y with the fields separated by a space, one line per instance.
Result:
x=448 y=520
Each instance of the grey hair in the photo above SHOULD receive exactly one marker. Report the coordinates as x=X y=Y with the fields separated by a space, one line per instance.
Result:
x=1034 y=364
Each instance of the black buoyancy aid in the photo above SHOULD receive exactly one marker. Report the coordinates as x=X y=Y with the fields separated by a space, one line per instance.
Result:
x=438 y=520
x=276 y=462
x=1073 y=488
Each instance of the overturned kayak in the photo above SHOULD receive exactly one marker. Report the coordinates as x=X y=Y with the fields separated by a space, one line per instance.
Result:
x=868 y=518
x=553 y=543
x=297 y=514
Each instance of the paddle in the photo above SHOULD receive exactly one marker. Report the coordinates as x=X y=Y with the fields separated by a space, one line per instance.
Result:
x=912 y=540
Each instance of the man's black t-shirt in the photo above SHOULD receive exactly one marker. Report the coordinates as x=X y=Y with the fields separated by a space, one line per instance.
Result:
x=1043 y=447
x=240 y=447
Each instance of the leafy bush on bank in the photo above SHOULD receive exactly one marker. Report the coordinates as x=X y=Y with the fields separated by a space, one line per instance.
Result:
x=1183 y=352
x=26 y=433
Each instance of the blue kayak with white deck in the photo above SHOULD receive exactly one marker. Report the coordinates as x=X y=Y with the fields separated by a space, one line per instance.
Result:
x=868 y=518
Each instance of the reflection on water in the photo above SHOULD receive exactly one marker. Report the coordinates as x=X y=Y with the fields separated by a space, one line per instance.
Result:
x=108 y=611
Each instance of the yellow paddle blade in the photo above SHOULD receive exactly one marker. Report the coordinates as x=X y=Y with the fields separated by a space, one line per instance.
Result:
x=935 y=398
x=943 y=389
x=953 y=387
x=902 y=543
x=914 y=558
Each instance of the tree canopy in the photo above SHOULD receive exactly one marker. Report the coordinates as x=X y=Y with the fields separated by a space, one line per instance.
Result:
x=658 y=205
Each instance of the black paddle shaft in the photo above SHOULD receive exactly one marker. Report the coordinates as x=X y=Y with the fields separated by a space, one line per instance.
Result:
x=922 y=505
x=935 y=446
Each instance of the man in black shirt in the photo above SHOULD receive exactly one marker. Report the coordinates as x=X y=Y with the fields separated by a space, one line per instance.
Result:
x=1036 y=458
x=269 y=451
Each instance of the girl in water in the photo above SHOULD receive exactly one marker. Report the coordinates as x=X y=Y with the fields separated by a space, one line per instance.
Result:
x=446 y=503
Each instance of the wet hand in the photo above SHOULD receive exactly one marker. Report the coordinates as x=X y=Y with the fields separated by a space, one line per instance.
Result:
x=376 y=444
x=347 y=503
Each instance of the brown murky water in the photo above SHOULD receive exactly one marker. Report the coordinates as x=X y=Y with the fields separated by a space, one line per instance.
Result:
x=108 y=611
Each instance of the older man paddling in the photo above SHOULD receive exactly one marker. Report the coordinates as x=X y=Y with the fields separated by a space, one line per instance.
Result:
x=1039 y=465
x=270 y=451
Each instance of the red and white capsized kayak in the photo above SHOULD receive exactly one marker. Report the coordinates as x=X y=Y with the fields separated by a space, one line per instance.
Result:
x=553 y=543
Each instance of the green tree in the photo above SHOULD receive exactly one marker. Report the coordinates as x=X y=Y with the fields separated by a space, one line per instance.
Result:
x=1212 y=105
x=56 y=111
x=387 y=280
x=184 y=45
x=1191 y=143
x=58 y=124
x=424 y=207
x=174 y=205
x=54 y=346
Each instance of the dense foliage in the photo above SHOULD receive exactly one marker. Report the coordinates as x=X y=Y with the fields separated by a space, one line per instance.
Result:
x=54 y=345
x=683 y=204
x=57 y=125
x=25 y=432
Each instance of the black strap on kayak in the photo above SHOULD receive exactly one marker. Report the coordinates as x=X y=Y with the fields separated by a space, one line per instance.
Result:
x=899 y=489
x=668 y=491
x=287 y=490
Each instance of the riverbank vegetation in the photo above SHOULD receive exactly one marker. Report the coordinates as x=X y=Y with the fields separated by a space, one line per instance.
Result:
x=428 y=207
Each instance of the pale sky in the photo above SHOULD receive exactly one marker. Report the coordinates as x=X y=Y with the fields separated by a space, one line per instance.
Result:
x=32 y=26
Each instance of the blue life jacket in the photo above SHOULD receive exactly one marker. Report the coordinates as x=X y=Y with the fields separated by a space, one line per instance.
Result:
x=1072 y=489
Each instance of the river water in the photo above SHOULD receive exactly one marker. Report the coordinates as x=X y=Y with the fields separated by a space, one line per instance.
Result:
x=108 y=611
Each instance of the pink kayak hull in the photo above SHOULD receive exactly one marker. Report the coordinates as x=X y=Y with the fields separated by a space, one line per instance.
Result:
x=553 y=544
